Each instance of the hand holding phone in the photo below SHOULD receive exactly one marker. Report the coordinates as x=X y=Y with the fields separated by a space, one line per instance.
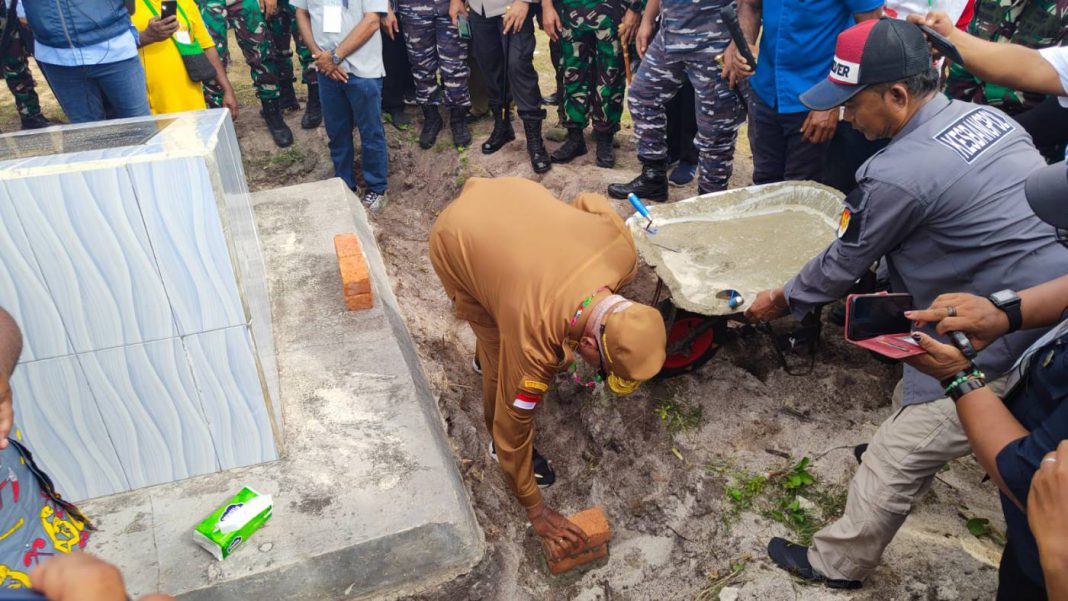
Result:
x=942 y=44
x=877 y=322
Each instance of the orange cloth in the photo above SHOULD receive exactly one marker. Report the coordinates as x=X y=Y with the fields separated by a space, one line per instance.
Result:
x=516 y=263
x=169 y=88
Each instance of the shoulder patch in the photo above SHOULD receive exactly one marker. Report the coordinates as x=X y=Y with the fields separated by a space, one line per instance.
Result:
x=526 y=401
x=975 y=133
x=535 y=385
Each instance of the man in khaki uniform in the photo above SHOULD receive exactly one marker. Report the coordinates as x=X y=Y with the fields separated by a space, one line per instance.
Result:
x=535 y=278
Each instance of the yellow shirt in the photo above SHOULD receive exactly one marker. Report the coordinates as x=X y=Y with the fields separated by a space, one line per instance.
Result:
x=169 y=88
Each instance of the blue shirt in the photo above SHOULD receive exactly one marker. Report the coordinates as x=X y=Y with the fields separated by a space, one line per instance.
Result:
x=120 y=48
x=797 y=47
x=1039 y=403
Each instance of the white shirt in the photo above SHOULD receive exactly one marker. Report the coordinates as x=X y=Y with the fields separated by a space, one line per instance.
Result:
x=367 y=60
x=1057 y=57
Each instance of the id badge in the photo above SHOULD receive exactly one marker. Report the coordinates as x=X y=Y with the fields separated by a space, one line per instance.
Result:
x=183 y=37
x=332 y=16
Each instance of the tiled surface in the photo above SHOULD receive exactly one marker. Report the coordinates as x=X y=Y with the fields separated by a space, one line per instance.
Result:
x=61 y=423
x=151 y=411
x=232 y=396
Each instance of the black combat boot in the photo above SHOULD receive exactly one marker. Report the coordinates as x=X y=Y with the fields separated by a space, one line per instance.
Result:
x=652 y=184
x=461 y=135
x=287 y=96
x=313 y=111
x=502 y=131
x=35 y=121
x=606 y=153
x=539 y=157
x=574 y=146
x=272 y=114
x=432 y=125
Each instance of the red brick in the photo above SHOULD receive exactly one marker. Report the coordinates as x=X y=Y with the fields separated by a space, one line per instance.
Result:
x=594 y=523
x=573 y=561
x=355 y=277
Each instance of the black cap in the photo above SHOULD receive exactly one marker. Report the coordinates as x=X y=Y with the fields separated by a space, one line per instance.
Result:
x=873 y=51
x=1047 y=193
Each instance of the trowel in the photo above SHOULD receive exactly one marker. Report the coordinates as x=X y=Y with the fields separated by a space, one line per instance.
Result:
x=644 y=212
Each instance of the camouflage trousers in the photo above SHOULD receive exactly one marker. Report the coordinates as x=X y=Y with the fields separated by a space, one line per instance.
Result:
x=284 y=34
x=434 y=46
x=246 y=19
x=719 y=110
x=16 y=68
x=590 y=43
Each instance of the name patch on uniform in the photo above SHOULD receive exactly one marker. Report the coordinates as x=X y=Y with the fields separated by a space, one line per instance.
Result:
x=974 y=133
x=526 y=401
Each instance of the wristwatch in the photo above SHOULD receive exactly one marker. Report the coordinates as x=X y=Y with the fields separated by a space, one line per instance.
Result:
x=1009 y=302
x=335 y=58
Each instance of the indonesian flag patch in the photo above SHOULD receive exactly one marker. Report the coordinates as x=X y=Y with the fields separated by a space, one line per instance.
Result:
x=843 y=222
x=526 y=401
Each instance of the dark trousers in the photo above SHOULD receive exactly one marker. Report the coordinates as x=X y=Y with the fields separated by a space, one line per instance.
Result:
x=398 y=82
x=507 y=63
x=1013 y=584
x=682 y=125
x=846 y=152
x=1048 y=125
x=779 y=151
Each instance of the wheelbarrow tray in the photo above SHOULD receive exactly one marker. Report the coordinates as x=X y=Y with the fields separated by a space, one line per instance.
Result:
x=747 y=239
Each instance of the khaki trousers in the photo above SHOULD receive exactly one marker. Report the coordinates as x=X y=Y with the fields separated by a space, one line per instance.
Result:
x=899 y=466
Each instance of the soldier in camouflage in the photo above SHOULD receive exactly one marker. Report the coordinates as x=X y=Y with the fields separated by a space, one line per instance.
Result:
x=690 y=38
x=284 y=34
x=247 y=20
x=589 y=35
x=15 y=64
x=435 y=46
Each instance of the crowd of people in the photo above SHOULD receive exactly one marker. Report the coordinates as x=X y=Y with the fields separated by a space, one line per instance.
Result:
x=943 y=165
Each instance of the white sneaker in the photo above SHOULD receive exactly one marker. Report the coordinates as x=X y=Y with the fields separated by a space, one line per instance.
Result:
x=375 y=202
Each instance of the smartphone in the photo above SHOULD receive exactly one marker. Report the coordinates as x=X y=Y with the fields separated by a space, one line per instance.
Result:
x=730 y=18
x=168 y=8
x=877 y=322
x=942 y=44
x=464 y=26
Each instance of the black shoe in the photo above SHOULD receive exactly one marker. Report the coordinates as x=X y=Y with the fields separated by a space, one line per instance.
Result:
x=399 y=118
x=539 y=157
x=552 y=99
x=652 y=184
x=837 y=314
x=794 y=559
x=544 y=476
x=573 y=147
x=36 y=121
x=858 y=452
x=272 y=115
x=313 y=111
x=432 y=125
x=502 y=131
x=287 y=96
x=606 y=153
x=461 y=135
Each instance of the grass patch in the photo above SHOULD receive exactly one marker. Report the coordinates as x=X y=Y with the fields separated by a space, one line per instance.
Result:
x=678 y=417
x=287 y=157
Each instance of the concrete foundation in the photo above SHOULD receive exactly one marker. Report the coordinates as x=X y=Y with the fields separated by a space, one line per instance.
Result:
x=367 y=496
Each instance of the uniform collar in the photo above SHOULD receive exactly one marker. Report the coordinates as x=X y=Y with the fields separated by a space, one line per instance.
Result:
x=926 y=113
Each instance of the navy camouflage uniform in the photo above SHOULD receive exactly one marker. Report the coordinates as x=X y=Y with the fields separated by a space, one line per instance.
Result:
x=434 y=46
x=246 y=18
x=284 y=33
x=690 y=38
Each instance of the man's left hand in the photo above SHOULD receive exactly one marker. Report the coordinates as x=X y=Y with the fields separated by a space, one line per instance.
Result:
x=819 y=126
x=325 y=65
x=976 y=316
x=7 y=412
x=628 y=29
x=941 y=360
x=390 y=26
x=768 y=305
x=229 y=101
x=269 y=7
x=550 y=22
x=515 y=16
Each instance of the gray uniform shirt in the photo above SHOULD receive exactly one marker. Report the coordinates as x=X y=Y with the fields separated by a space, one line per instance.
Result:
x=944 y=203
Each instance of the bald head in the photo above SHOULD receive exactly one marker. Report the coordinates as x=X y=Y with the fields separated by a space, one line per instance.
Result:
x=10 y=343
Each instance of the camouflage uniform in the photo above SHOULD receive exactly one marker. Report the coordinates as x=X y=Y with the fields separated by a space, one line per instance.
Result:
x=691 y=36
x=283 y=28
x=245 y=17
x=1030 y=23
x=16 y=68
x=590 y=40
x=434 y=46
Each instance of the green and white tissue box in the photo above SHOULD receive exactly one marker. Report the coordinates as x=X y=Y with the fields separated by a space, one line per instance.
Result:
x=232 y=524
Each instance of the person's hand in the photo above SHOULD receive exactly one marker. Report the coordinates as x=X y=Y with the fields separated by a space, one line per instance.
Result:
x=1047 y=509
x=7 y=411
x=628 y=28
x=457 y=8
x=819 y=126
x=229 y=101
x=561 y=534
x=324 y=63
x=941 y=360
x=940 y=22
x=975 y=316
x=735 y=67
x=158 y=30
x=269 y=7
x=390 y=26
x=82 y=577
x=768 y=305
x=550 y=22
x=643 y=38
x=514 y=16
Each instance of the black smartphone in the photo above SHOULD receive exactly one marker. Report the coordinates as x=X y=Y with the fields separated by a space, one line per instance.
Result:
x=871 y=315
x=168 y=8
x=942 y=44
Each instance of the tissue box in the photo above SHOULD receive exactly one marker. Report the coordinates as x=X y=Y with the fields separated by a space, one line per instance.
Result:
x=233 y=523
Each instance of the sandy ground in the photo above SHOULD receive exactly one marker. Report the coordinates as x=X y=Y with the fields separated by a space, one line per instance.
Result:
x=679 y=533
